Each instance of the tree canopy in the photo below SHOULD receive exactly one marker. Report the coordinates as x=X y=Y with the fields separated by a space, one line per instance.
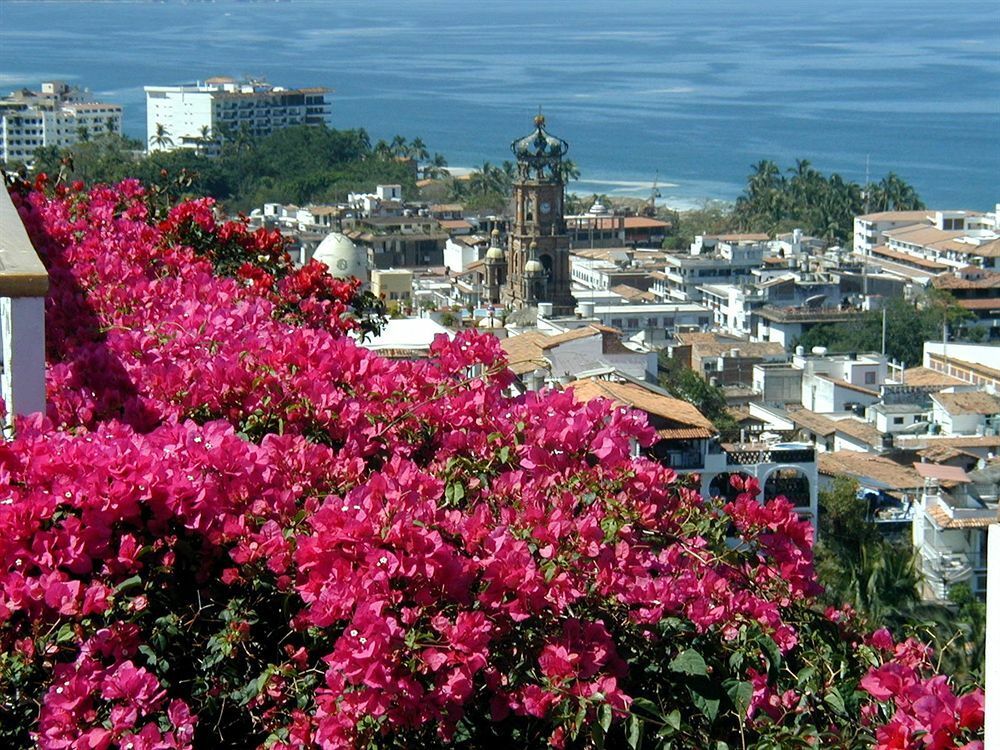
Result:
x=300 y=164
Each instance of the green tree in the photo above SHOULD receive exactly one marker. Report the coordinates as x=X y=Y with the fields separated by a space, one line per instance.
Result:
x=687 y=385
x=161 y=138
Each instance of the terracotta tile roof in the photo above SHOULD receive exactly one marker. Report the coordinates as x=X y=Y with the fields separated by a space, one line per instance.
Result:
x=985 y=250
x=979 y=304
x=524 y=352
x=714 y=345
x=941 y=472
x=944 y=521
x=868 y=466
x=454 y=224
x=685 y=433
x=574 y=334
x=923 y=234
x=938 y=454
x=974 y=402
x=863 y=431
x=914 y=216
x=643 y=222
x=925 y=376
x=989 y=280
x=810 y=420
x=629 y=394
x=632 y=293
x=930 y=265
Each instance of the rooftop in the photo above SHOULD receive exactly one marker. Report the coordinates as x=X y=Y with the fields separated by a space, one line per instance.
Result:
x=674 y=410
x=972 y=402
x=871 y=469
x=925 y=376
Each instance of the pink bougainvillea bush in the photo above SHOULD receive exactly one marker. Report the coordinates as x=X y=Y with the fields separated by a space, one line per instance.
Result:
x=237 y=528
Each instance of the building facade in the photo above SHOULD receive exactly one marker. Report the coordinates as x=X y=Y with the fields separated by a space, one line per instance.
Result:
x=538 y=268
x=58 y=115
x=197 y=115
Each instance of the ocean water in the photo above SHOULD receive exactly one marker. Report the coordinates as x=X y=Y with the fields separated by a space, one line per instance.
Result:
x=686 y=93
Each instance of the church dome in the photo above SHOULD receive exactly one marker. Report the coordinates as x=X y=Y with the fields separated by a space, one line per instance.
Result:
x=539 y=145
x=494 y=253
x=534 y=267
x=342 y=257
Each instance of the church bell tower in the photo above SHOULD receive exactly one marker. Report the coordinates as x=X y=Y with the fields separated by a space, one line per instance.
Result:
x=538 y=254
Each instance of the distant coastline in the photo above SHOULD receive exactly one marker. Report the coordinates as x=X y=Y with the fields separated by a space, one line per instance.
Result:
x=696 y=96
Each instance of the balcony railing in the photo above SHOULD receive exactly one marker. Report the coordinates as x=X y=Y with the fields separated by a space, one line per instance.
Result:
x=24 y=282
x=774 y=454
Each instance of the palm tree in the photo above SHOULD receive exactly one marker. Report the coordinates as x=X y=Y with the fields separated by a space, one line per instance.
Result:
x=205 y=138
x=398 y=146
x=161 y=139
x=568 y=171
x=894 y=194
x=436 y=168
x=417 y=150
x=83 y=133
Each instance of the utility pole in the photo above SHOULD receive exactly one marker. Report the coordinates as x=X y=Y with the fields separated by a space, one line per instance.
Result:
x=883 y=326
x=864 y=255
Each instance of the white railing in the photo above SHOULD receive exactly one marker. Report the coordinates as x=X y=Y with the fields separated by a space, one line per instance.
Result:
x=24 y=283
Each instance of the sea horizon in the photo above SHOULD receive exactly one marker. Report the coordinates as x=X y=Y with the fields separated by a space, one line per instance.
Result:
x=685 y=95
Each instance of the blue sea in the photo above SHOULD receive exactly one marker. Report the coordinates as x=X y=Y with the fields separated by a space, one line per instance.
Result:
x=686 y=93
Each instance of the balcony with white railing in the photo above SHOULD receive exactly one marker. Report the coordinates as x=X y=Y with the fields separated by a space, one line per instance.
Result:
x=24 y=282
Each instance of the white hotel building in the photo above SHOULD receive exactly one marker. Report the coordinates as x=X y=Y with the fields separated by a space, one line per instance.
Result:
x=188 y=112
x=59 y=115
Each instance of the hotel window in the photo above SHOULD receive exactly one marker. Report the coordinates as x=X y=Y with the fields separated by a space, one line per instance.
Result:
x=897 y=420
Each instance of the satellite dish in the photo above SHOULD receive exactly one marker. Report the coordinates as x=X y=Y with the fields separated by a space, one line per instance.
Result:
x=815 y=301
x=916 y=428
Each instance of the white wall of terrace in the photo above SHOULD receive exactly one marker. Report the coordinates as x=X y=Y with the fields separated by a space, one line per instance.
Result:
x=24 y=282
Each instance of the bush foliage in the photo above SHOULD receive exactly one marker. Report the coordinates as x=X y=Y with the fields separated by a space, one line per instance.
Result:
x=237 y=528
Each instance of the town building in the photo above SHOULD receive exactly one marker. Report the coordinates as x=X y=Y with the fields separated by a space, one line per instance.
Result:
x=688 y=442
x=976 y=290
x=973 y=364
x=399 y=241
x=538 y=358
x=712 y=261
x=393 y=286
x=198 y=115
x=58 y=115
x=725 y=360
x=930 y=242
x=949 y=531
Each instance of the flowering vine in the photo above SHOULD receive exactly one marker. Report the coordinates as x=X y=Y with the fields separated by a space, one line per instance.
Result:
x=236 y=527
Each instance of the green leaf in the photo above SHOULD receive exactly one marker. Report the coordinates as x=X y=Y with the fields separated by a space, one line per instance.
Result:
x=740 y=693
x=689 y=662
x=705 y=703
x=634 y=732
x=127 y=584
x=835 y=701
x=605 y=716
